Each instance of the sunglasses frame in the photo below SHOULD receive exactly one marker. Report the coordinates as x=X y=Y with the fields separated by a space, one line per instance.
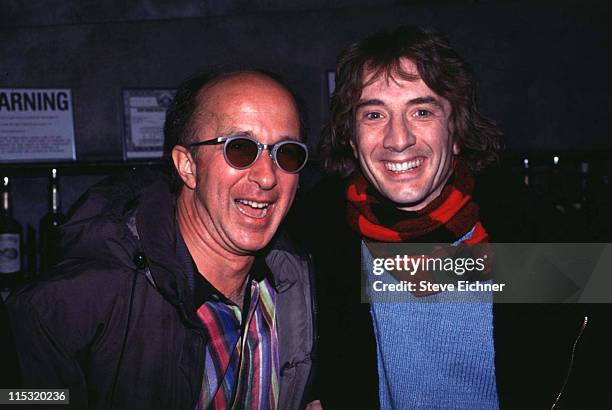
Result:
x=273 y=148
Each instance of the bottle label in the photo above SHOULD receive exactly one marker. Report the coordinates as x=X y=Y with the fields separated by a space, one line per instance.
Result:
x=10 y=259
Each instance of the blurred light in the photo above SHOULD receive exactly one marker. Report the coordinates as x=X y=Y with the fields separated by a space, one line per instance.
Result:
x=526 y=162
x=556 y=160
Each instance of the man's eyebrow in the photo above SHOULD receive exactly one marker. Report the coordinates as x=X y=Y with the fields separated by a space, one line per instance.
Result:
x=236 y=132
x=371 y=101
x=428 y=99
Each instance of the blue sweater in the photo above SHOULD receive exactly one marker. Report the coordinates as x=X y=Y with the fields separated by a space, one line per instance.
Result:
x=435 y=352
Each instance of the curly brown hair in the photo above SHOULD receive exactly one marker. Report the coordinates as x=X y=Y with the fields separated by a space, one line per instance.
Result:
x=442 y=70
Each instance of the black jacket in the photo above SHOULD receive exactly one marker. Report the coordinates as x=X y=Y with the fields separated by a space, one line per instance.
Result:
x=116 y=323
x=533 y=343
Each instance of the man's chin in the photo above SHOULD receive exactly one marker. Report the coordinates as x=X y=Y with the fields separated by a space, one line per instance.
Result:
x=252 y=243
x=409 y=202
x=406 y=195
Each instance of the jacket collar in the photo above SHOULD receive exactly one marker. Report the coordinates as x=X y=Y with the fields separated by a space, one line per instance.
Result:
x=156 y=225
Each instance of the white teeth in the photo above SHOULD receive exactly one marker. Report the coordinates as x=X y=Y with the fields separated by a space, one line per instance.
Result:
x=253 y=204
x=403 y=166
x=254 y=214
x=253 y=209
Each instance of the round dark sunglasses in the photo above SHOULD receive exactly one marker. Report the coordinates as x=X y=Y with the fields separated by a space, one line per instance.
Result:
x=241 y=152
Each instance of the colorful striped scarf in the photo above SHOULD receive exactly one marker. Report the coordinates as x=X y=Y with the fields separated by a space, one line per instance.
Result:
x=241 y=366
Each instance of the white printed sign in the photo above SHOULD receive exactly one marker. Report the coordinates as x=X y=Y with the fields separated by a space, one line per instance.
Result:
x=144 y=116
x=36 y=124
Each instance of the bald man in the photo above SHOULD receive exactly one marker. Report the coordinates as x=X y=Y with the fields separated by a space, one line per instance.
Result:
x=181 y=294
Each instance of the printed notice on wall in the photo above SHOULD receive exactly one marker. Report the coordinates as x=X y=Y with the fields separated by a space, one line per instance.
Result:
x=144 y=115
x=36 y=125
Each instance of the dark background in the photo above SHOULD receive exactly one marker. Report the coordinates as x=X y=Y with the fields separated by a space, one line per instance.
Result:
x=543 y=69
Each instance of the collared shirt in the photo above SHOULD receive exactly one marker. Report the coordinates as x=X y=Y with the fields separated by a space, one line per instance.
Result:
x=241 y=369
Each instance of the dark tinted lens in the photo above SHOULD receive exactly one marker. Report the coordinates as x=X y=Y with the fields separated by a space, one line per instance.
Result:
x=240 y=152
x=291 y=156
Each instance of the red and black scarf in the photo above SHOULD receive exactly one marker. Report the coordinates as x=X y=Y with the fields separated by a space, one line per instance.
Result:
x=446 y=219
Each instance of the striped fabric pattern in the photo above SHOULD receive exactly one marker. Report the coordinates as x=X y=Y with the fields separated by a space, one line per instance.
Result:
x=443 y=220
x=241 y=371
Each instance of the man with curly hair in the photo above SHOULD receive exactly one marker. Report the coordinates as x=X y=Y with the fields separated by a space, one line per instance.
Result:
x=404 y=143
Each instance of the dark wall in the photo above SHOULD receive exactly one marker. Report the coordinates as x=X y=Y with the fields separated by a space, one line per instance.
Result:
x=542 y=67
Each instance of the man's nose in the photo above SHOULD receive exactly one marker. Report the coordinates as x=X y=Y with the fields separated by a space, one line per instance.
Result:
x=398 y=134
x=263 y=171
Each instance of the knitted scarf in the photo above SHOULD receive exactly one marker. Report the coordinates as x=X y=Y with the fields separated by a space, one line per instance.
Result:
x=450 y=218
x=445 y=220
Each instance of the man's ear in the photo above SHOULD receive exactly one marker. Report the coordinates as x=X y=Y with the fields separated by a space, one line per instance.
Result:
x=451 y=133
x=185 y=165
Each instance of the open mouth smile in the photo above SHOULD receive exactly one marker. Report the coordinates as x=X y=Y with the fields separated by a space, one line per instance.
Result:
x=253 y=209
x=401 y=167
